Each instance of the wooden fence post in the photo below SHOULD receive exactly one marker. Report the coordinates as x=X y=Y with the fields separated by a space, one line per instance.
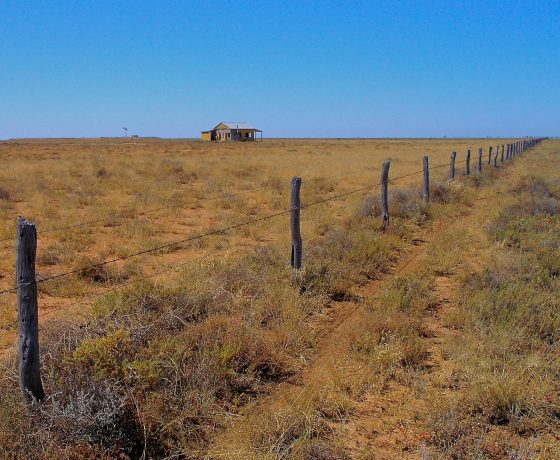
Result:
x=508 y=151
x=468 y=163
x=479 y=165
x=426 y=170
x=384 y=194
x=295 y=221
x=452 y=166
x=28 y=312
x=489 y=154
x=502 y=158
x=496 y=156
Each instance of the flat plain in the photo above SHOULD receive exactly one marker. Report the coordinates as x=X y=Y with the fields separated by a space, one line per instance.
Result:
x=212 y=347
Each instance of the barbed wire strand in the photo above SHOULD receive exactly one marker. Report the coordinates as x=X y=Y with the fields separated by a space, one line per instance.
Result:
x=163 y=208
x=145 y=211
x=195 y=237
x=127 y=283
x=213 y=232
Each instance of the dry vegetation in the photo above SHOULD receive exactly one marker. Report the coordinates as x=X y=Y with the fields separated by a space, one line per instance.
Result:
x=237 y=356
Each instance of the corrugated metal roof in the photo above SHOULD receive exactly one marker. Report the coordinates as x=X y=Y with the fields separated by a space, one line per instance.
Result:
x=237 y=125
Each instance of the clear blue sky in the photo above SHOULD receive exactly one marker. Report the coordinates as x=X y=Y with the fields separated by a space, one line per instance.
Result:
x=292 y=68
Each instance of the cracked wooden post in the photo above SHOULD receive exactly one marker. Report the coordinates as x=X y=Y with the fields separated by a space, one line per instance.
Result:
x=489 y=154
x=426 y=171
x=496 y=157
x=295 y=221
x=479 y=164
x=384 y=194
x=28 y=314
x=452 y=166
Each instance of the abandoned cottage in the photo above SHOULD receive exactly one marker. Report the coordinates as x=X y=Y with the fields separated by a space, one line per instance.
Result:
x=232 y=131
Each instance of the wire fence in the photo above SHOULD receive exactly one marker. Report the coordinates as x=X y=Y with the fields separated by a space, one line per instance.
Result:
x=219 y=231
x=26 y=279
x=227 y=195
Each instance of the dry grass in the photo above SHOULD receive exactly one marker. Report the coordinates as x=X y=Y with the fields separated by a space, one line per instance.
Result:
x=162 y=365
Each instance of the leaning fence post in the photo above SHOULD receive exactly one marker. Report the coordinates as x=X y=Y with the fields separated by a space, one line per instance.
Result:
x=496 y=156
x=28 y=312
x=502 y=157
x=479 y=165
x=295 y=210
x=468 y=162
x=489 y=154
x=384 y=194
x=452 y=166
x=426 y=170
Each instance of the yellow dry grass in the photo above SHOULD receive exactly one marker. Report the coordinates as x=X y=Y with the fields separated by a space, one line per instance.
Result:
x=234 y=337
x=59 y=183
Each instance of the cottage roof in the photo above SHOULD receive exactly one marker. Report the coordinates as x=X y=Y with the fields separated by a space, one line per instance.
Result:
x=237 y=125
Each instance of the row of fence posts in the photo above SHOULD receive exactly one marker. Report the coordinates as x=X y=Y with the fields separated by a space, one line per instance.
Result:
x=26 y=249
x=511 y=150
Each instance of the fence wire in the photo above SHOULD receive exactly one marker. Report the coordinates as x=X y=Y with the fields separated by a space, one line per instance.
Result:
x=222 y=230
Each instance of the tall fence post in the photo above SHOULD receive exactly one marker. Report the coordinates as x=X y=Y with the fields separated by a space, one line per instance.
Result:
x=384 y=194
x=479 y=164
x=502 y=157
x=468 y=163
x=452 y=165
x=426 y=170
x=489 y=154
x=496 y=156
x=508 y=151
x=295 y=223
x=28 y=312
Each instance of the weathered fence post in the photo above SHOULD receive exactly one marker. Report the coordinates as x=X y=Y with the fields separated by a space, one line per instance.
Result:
x=426 y=170
x=295 y=210
x=496 y=156
x=468 y=163
x=28 y=312
x=479 y=165
x=384 y=194
x=508 y=152
x=452 y=166
x=502 y=157
x=489 y=154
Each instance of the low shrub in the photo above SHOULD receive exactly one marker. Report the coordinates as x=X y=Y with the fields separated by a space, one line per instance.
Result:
x=4 y=194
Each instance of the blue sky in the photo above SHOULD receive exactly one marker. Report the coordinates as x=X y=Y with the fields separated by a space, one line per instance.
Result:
x=292 y=68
